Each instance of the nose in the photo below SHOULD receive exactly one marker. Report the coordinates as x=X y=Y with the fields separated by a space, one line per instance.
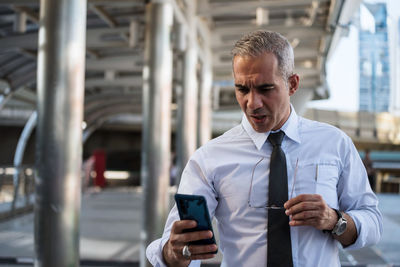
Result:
x=254 y=100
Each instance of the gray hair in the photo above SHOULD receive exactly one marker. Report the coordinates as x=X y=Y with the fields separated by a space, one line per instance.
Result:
x=259 y=42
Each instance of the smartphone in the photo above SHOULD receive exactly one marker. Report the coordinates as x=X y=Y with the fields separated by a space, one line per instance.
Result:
x=194 y=207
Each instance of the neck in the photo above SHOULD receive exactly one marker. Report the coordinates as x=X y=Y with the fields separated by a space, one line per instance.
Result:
x=284 y=119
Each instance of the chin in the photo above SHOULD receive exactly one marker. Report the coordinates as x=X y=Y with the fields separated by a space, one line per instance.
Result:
x=262 y=129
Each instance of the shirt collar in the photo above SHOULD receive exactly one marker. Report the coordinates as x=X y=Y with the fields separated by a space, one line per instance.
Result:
x=290 y=128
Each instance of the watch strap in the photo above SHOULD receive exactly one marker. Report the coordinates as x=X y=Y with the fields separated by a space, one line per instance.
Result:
x=339 y=214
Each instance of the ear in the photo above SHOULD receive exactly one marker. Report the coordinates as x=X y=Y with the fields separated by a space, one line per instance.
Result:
x=293 y=83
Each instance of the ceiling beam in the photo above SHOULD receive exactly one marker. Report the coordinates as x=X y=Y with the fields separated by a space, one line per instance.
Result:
x=96 y=38
x=104 y=15
x=229 y=34
x=116 y=3
x=31 y=54
x=246 y=6
x=93 y=54
x=127 y=63
x=32 y=15
x=93 y=106
x=109 y=95
x=118 y=82
x=106 y=110
x=298 y=30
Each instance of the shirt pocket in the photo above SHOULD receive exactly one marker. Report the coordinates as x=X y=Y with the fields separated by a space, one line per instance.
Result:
x=317 y=178
x=326 y=183
x=304 y=182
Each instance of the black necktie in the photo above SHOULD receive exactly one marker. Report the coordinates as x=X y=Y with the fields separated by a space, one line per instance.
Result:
x=279 y=244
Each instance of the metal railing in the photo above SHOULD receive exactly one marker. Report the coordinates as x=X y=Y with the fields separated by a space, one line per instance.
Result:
x=16 y=190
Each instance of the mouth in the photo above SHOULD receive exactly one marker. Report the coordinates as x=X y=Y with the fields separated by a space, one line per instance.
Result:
x=258 y=118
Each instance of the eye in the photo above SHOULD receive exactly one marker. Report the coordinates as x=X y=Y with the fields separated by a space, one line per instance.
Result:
x=242 y=89
x=265 y=89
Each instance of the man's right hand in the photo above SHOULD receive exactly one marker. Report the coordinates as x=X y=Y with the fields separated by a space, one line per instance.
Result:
x=172 y=251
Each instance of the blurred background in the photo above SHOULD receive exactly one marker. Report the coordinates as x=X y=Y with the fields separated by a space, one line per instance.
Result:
x=157 y=85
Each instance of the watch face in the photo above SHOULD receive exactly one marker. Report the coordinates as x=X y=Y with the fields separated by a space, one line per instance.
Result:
x=341 y=227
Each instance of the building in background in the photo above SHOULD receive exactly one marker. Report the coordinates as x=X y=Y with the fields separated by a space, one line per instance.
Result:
x=364 y=71
x=375 y=87
x=393 y=21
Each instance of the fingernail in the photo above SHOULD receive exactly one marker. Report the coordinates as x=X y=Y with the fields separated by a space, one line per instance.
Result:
x=287 y=212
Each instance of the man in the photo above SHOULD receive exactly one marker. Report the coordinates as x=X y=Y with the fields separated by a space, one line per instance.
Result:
x=240 y=172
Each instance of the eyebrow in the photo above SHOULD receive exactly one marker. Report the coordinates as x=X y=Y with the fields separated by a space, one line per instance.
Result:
x=257 y=87
x=240 y=86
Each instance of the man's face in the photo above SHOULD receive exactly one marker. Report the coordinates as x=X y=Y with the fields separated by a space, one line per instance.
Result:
x=262 y=92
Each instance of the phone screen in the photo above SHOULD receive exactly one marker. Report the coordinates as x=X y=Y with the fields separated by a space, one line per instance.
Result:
x=194 y=207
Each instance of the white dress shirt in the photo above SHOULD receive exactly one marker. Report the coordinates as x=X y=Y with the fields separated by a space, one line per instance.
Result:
x=328 y=164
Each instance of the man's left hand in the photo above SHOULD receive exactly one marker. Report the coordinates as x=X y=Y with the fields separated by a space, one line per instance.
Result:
x=312 y=210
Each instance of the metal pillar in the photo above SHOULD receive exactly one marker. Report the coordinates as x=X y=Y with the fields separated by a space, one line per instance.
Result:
x=189 y=105
x=179 y=133
x=204 y=121
x=180 y=45
x=20 y=22
x=60 y=82
x=156 y=135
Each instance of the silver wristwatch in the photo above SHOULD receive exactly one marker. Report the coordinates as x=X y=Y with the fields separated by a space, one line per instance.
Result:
x=340 y=226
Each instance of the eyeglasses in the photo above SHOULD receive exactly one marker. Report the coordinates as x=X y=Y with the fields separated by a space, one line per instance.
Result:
x=273 y=206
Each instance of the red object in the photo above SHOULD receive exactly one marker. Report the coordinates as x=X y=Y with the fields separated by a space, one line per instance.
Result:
x=99 y=167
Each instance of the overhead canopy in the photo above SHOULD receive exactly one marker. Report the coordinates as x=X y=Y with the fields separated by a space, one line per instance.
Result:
x=115 y=44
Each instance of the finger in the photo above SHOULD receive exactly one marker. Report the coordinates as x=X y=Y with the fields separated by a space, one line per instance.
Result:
x=301 y=198
x=303 y=206
x=178 y=241
x=196 y=251
x=202 y=256
x=315 y=218
x=202 y=249
x=297 y=203
x=309 y=222
x=179 y=226
x=306 y=215
x=194 y=236
x=316 y=223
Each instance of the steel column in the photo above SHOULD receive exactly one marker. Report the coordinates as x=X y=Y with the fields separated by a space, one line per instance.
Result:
x=204 y=122
x=190 y=90
x=156 y=133
x=180 y=47
x=20 y=22
x=60 y=82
